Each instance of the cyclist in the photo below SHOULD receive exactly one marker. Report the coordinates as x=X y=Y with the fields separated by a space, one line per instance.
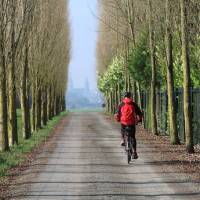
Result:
x=129 y=114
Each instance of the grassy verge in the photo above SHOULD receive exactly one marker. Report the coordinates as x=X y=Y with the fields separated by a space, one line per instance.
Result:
x=18 y=153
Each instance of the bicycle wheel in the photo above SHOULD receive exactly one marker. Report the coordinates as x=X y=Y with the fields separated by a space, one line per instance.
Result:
x=131 y=147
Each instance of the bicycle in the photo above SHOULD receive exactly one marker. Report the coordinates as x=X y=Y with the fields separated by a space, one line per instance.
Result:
x=128 y=144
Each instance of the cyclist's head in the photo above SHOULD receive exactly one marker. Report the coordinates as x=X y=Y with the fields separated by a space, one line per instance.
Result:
x=127 y=94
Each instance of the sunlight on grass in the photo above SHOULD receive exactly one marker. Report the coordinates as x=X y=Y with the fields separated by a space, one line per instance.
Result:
x=18 y=153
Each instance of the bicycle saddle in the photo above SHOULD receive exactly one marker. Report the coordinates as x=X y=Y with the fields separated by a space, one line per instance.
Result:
x=128 y=129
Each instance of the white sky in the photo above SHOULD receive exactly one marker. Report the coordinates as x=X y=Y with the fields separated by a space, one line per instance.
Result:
x=83 y=34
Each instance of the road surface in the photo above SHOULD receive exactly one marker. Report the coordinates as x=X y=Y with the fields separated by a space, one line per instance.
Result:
x=88 y=163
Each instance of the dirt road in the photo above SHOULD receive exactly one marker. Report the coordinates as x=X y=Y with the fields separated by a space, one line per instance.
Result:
x=88 y=163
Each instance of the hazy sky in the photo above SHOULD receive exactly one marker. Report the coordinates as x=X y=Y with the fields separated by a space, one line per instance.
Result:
x=83 y=34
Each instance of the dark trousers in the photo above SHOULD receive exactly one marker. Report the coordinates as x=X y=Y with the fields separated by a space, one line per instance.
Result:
x=132 y=129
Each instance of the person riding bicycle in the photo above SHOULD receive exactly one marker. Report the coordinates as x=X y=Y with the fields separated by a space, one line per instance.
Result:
x=129 y=114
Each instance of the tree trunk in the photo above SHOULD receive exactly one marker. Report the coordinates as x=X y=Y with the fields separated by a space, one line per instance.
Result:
x=170 y=80
x=38 y=108
x=28 y=111
x=54 y=105
x=3 y=103
x=110 y=102
x=63 y=104
x=26 y=129
x=113 y=101
x=12 y=125
x=33 y=111
x=126 y=85
x=49 y=115
x=12 y=110
x=107 y=102
x=134 y=90
x=57 y=105
x=129 y=82
x=153 y=66
x=139 y=101
x=44 y=107
x=116 y=96
x=60 y=104
x=186 y=77
x=119 y=92
x=52 y=109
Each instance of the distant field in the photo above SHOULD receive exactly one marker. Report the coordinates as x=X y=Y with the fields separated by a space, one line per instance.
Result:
x=87 y=110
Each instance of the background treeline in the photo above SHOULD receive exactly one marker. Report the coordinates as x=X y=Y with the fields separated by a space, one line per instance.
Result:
x=34 y=57
x=150 y=45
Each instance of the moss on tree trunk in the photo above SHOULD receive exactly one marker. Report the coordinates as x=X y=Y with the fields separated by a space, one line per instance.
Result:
x=26 y=125
x=186 y=77
x=153 y=66
x=173 y=131
x=3 y=103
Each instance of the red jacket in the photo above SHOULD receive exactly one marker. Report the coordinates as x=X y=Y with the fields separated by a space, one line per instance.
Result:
x=130 y=118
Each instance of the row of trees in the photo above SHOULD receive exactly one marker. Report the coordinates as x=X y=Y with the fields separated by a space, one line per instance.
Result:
x=158 y=42
x=34 y=55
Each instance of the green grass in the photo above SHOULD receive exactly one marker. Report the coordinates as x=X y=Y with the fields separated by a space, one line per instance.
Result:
x=18 y=153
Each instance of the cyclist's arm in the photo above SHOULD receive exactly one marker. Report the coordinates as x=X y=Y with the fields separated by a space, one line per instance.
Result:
x=138 y=112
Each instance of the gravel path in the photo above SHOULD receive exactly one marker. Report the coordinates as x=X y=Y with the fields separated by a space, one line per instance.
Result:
x=88 y=163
